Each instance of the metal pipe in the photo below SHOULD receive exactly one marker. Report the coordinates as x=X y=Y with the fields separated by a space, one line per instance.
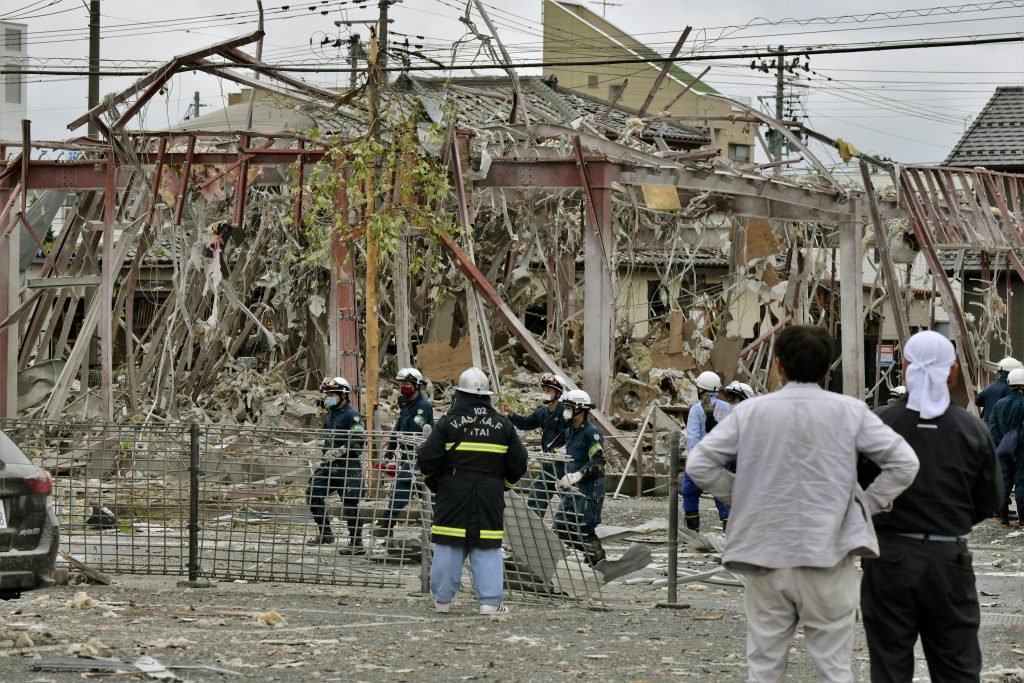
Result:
x=673 y=516
x=193 y=504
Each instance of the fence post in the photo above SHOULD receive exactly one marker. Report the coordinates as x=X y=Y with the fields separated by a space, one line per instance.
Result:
x=193 y=513
x=673 y=522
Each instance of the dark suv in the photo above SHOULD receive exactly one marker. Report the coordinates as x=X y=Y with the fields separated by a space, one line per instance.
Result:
x=28 y=526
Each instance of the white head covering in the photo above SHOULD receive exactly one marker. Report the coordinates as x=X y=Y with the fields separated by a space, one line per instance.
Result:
x=930 y=356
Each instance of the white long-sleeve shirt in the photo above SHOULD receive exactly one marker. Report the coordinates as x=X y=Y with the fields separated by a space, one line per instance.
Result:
x=794 y=498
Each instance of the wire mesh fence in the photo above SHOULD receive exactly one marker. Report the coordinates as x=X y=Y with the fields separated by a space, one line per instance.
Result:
x=286 y=505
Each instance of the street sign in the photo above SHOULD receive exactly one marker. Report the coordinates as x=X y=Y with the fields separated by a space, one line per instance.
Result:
x=885 y=354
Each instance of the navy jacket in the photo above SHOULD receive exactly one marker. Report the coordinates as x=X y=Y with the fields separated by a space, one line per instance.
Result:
x=348 y=426
x=990 y=395
x=1008 y=414
x=414 y=415
x=552 y=423
x=585 y=448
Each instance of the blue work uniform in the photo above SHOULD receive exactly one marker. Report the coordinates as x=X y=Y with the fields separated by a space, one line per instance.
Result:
x=553 y=425
x=1006 y=415
x=988 y=397
x=698 y=424
x=580 y=512
x=341 y=470
x=412 y=417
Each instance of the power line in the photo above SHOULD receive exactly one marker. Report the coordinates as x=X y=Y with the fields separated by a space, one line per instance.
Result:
x=801 y=51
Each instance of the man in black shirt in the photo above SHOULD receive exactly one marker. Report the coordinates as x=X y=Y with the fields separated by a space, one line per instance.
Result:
x=923 y=582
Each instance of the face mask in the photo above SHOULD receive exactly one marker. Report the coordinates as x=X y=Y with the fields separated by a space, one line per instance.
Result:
x=567 y=414
x=406 y=391
x=332 y=401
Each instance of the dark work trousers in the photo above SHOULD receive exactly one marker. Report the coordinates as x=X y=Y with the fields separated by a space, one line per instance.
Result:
x=543 y=486
x=1008 y=467
x=921 y=588
x=342 y=476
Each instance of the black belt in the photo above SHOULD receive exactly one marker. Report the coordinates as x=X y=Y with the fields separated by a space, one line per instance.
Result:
x=936 y=538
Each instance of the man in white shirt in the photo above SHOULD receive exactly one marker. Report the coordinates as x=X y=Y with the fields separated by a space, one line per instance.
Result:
x=798 y=515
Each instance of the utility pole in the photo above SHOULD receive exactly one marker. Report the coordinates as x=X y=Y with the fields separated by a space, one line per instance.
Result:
x=195 y=105
x=780 y=73
x=94 y=62
x=353 y=59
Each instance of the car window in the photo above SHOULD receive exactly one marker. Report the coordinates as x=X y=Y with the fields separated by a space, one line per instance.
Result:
x=10 y=454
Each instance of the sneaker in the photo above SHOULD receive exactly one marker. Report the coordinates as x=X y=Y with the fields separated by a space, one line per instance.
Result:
x=494 y=609
x=321 y=539
x=442 y=607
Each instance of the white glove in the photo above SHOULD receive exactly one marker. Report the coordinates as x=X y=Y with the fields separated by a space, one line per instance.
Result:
x=570 y=480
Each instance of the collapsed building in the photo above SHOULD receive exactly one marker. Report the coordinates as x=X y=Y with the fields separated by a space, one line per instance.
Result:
x=217 y=270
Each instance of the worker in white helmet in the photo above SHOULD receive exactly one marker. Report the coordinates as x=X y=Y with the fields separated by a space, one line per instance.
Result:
x=702 y=418
x=998 y=390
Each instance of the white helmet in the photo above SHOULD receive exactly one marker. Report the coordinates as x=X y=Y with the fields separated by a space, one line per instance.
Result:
x=337 y=385
x=411 y=374
x=474 y=381
x=577 y=398
x=898 y=392
x=553 y=381
x=744 y=391
x=1016 y=377
x=1009 y=363
x=709 y=381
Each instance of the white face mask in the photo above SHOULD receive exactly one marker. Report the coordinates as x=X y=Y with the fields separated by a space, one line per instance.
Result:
x=567 y=413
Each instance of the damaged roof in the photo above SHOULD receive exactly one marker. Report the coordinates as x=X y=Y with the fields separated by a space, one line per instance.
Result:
x=996 y=138
x=481 y=101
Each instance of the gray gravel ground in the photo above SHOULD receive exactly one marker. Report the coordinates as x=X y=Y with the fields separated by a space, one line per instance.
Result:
x=366 y=634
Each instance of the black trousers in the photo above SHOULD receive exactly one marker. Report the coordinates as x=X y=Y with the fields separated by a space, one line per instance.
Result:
x=921 y=588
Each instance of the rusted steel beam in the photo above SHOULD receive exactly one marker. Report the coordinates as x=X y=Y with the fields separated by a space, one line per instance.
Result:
x=241 y=185
x=144 y=82
x=255 y=64
x=163 y=75
x=157 y=177
x=897 y=297
x=9 y=257
x=616 y=97
x=965 y=351
x=688 y=88
x=525 y=337
x=186 y=179
x=664 y=72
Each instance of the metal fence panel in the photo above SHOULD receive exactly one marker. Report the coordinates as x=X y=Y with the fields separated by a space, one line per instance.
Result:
x=122 y=494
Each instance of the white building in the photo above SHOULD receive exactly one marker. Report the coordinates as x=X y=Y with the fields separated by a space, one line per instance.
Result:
x=13 y=88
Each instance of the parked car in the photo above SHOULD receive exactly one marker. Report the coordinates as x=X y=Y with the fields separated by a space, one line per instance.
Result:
x=28 y=526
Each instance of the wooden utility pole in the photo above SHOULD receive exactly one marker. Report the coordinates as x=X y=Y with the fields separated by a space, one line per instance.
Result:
x=94 y=63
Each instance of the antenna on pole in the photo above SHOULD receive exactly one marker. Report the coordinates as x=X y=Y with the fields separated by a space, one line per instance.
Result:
x=605 y=5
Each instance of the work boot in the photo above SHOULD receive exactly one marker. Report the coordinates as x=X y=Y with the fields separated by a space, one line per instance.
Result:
x=355 y=547
x=384 y=530
x=692 y=520
x=1004 y=516
x=593 y=551
x=325 y=537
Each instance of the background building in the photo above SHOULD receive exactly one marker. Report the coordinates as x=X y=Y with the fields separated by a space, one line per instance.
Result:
x=573 y=33
x=13 y=89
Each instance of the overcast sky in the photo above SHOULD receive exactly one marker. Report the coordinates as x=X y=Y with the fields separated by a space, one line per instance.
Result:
x=909 y=105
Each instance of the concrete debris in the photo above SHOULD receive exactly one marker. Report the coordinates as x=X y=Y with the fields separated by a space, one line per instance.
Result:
x=1003 y=676
x=271 y=619
x=81 y=601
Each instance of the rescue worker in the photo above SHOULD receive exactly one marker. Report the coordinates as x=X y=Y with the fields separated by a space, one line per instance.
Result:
x=414 y=414
x=702 y=418
x=897 y=394
x=341 y=470
x=999 y=389
x=583 y=483
x=922 y=583
x=737 y=392
x=470 y=458
x=1007 y=415
x=547 y=418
